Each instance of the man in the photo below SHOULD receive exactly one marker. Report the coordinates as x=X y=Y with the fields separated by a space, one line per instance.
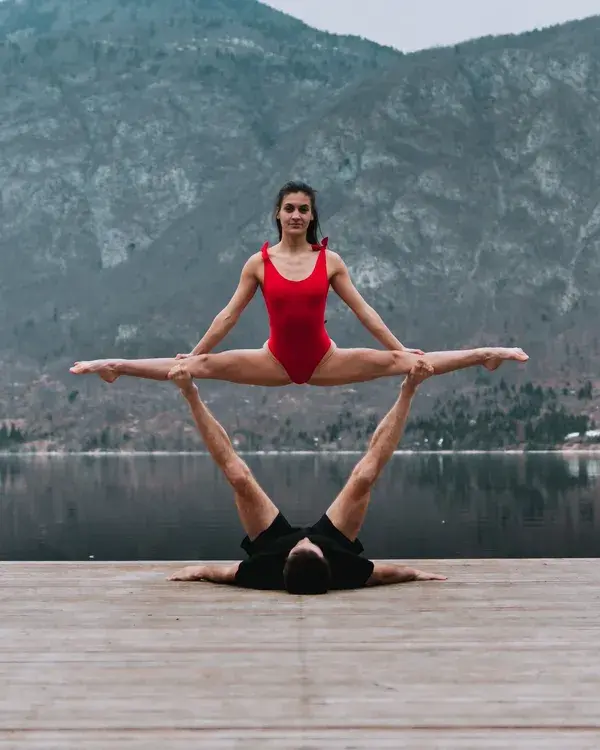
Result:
x=309 y=560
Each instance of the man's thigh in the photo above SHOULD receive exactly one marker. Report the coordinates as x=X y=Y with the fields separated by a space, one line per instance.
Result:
x=279 y=527
x=347 y=512
x=325 y=527
x=255 y=508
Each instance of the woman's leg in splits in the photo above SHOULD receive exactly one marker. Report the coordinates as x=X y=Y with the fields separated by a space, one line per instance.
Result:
x=345 y=366
x=339 y=366
x=243 y=366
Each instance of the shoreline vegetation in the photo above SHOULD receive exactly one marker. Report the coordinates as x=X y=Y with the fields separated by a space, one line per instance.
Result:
x=564 y=450
x=498 y=418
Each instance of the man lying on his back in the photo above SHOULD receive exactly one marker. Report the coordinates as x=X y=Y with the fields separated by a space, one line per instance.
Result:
x=314 y=559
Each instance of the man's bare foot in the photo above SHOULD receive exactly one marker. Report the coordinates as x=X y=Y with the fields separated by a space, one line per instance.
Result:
x=420 y=371
x=191 y=573
x=182 y=379
x=105 y=368
x=495 y=356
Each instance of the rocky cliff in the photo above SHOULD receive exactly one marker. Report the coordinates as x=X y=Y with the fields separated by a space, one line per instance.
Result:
x=142 y=144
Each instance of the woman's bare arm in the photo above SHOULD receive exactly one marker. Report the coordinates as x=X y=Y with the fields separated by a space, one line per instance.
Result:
x=230 y=314
x=343 y=286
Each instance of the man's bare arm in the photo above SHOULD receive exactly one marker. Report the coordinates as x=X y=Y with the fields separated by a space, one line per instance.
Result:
x=216 y=573
x=385 y=574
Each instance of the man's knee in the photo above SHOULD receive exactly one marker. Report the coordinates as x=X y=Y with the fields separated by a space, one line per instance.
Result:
x=238 y=474
x=365 y=474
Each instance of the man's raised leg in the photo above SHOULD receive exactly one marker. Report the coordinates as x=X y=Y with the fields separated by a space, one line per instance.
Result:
x=348 y=510
x=256 y=510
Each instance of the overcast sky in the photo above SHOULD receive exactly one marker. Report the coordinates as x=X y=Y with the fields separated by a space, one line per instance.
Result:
x=409 y=25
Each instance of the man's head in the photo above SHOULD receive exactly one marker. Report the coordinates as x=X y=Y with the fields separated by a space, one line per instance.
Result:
x=306 y=570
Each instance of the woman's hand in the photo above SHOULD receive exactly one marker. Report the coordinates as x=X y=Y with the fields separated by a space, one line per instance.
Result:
x=410 y=351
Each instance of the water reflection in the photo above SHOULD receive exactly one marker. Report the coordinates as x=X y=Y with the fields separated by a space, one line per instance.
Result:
x=179 y=507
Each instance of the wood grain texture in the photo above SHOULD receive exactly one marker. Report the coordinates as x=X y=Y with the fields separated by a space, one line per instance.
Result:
x=504 y=654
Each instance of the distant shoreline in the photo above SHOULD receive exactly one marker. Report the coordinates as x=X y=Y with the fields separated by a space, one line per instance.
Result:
x=132 y=454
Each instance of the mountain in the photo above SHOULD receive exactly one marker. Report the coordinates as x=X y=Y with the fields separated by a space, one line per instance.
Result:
x=142 y=145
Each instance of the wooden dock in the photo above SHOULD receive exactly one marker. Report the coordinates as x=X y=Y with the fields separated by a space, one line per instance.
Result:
x=505 y=654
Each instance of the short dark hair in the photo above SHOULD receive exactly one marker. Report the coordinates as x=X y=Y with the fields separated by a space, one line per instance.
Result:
x=312 y=234
x=306 y=572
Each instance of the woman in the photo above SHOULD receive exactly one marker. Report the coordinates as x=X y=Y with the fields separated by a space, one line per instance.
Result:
x=295 y=287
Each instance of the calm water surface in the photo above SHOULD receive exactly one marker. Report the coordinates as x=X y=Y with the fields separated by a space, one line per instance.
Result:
x=179 y=507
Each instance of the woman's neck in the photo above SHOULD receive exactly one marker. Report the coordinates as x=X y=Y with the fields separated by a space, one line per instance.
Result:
x=294 y=244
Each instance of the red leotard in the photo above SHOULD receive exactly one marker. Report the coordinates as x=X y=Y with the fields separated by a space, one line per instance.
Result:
x=298 y=339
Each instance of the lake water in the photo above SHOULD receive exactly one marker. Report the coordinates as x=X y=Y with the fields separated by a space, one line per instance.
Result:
x=157 y=507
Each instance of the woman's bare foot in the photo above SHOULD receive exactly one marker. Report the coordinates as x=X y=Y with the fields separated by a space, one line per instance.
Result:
x=495 y=356
x=182 y=379
x=105 y=368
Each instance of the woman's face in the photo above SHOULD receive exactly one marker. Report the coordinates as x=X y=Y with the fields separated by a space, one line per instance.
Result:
x=295 y=214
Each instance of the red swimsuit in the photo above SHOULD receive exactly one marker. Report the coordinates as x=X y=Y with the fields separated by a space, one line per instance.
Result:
x=298 y=339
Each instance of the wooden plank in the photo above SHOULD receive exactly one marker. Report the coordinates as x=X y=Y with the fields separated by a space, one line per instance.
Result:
x=304 y=740
x=504 y=654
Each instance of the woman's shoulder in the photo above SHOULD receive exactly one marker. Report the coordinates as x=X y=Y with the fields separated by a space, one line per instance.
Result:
x=266 y=250
x=333 y=259
x=253 y=264
x=256 y=258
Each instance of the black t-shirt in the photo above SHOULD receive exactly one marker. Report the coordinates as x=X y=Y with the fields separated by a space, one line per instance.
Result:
x=268 y=553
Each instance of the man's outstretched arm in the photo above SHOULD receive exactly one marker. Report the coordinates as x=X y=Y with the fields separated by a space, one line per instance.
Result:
x=215 y=573
x=385 y=574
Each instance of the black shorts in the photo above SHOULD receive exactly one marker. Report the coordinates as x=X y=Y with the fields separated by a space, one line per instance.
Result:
x=281 y=527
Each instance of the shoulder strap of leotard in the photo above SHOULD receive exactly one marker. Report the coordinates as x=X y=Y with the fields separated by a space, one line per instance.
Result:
x=322 y=245
x=264 y=251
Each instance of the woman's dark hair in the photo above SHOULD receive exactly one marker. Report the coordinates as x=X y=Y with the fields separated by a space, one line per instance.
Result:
x=306 y=572
x=300 y=187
